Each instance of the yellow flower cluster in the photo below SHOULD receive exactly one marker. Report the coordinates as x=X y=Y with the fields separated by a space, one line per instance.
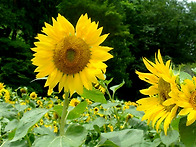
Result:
x=165 y=95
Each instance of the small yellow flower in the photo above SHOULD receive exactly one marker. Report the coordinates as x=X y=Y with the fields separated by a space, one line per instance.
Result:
x=74 y=102
x=89 y=101
x=128 y=117
x=125 y=107
x=2 y=86
x=33 y=95
x=23 y=103
x=111 y=127
x=23 y=90
x=96 y=110
x=39 y=102
x=55 y=116
x=55 y=129
x=41 y=122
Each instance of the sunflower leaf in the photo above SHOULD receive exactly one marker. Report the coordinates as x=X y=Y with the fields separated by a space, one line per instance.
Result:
x=116 y=87
x=79 y=109
x=74 y=136
x=94 y=95
x=187 y=133
x=172 y=136
x=27 y=121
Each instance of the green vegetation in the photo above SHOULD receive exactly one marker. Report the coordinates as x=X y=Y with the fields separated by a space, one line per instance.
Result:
x=137 y=28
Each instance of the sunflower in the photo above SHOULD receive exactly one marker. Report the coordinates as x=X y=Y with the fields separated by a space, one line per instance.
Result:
x=162 y=81
x=33 y=95
x=187 y=100
x=71 y=58
x=74 y=102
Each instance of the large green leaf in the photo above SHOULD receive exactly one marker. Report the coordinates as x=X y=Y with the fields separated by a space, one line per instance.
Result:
x=94 y=95
x=20 y=107
x=187 y=133
x=27 y=121
x=7 y=110
x=11 y=125
x=79 y=109
x=18 y=143
x=128 y=137
x=58 y=109
x=172 y=136
x=74 y=137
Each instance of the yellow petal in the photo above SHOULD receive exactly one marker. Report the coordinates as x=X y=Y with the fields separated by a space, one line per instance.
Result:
x=191 y=117
x=169 y=118
x=185 y=111
x=160 y=120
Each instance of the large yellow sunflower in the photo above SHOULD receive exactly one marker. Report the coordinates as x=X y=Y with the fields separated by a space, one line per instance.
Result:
x=187 y=100
x=70 y=57
x=162 y=81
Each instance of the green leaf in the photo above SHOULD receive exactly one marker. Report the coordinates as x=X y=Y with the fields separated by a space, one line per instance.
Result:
x=156 y=142
x=116 y=87
x=79 y=109
x=7 y=110
x=184 y=75
x=58 y=109
x=128 y=137
x=44 y=131
x=187 y=133
x=20 y=107
x=172 y=136
x=94 y=95
x=27 y=121
x=18 y=143
x=108 y=143
x=109 y=105
x=99 y=122
x=11 y=125
x=74 y=136
x=107 y=82
x=133 y=111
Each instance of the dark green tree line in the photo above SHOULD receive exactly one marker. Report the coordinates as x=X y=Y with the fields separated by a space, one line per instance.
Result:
x=137 y=28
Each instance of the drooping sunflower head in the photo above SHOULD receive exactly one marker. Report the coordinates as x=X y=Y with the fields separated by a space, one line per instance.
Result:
x=187 y=100
x=162 y=82
x=72 y=58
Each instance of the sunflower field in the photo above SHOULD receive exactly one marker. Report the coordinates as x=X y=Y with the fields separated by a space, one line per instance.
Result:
x=87 y=73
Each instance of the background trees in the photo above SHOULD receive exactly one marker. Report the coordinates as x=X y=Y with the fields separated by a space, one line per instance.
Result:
x=137 y=28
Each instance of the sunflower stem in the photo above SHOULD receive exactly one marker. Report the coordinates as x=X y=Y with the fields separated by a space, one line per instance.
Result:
x=64 y=113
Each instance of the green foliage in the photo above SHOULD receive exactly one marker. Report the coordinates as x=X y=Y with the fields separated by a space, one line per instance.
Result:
x=127 y=137
x=74 y=136
x=187 y=133
x=94 y=95
x=136 y=29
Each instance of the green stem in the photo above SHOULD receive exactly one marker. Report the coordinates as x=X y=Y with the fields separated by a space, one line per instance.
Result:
x=28 y=140
x=64 y=113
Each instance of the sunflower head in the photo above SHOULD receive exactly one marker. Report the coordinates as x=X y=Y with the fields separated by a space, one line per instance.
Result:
x=71 y=58
x=187 y=100
x=33 y=95
x=74 y=102
x=162 y=81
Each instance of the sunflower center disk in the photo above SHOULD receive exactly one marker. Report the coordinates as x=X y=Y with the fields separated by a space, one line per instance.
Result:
x=164 y=89
x=193 y=99
x=71 y=55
